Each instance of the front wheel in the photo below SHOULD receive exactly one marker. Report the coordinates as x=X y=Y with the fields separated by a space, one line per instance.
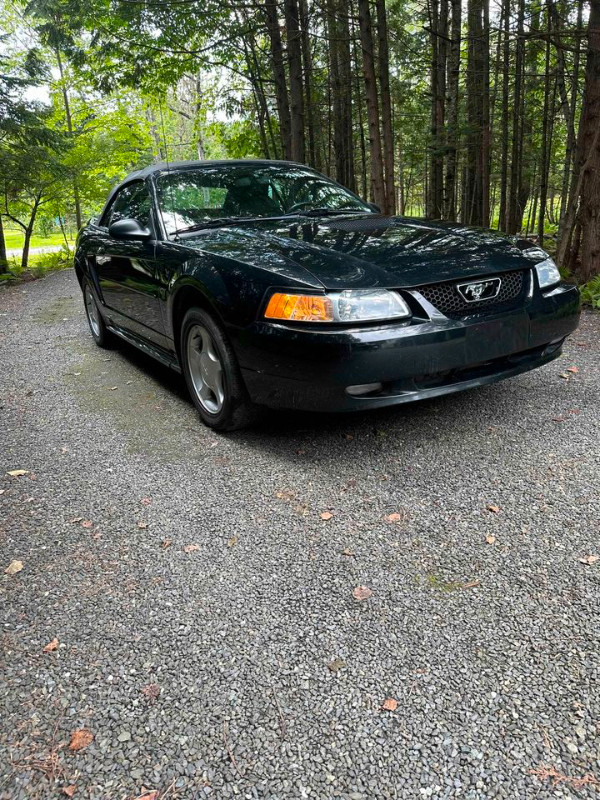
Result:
x=97 y=325
x=212 y=374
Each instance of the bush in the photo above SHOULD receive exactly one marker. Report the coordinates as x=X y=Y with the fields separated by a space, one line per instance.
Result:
x=590 y=292
x=39 y=265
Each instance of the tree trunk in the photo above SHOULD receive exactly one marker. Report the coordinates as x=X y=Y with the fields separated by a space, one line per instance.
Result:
x=438 y=32
x=346 y=79
x=569 y=176
x=341 y=80
x=307 y=63
x=294 y=53
x=545 y=150
x=589 y=264
x=453 y=132
x=476 y=210
x=281 y=92
x=3 y=256
x=386 y=108
x=502 y=216
x=514 y=214
x=69 y=121
x=376 y=163
x=28 y=232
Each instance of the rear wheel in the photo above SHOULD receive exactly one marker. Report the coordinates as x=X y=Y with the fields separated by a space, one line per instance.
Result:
x=97 y=325
x=212 y=374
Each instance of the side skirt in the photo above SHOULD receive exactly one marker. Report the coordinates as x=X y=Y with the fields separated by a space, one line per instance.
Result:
x=151 y=350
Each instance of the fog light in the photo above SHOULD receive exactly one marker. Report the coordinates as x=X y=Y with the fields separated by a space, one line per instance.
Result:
x=363 y=388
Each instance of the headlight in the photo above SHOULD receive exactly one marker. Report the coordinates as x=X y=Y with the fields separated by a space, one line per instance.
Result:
x=547 y=271
x=351 y=305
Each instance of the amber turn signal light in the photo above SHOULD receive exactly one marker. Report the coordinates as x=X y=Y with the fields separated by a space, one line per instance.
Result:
x=300 y=308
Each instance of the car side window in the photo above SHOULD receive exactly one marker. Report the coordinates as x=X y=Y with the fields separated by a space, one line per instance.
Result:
x=132 y=202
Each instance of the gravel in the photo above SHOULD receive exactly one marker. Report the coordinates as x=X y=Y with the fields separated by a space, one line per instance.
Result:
x=483 y=624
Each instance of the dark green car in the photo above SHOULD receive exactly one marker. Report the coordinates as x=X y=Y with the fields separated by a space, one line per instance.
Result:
x=268 y=284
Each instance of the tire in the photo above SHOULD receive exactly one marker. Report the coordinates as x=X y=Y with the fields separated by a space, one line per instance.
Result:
x=98 y=328
x=212 y=374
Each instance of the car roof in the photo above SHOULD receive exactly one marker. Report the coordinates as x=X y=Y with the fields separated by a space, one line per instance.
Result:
x=163 y=166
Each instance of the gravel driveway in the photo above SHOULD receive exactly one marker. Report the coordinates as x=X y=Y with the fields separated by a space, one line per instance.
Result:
x=201 y=586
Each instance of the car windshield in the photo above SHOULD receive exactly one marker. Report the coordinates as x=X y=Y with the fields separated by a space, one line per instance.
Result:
x=192 y=197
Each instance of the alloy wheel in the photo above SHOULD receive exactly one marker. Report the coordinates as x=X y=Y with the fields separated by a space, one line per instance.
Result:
x=93 y=314
x=206 y=370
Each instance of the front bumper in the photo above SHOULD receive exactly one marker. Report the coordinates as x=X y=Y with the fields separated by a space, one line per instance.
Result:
x=307 y=368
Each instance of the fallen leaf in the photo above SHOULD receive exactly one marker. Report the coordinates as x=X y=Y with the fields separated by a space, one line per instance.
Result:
x=574 y=411
x=326 y=515
x=362 y=593
x=166 y=543
x=232 y=541
x=471 y=584
x=558 y=419
x=573 y=370
x=2 y=491
x=490 y=539
x=150 y=795
x=349 y=436
x=14 y=567
x=284 y=494
x=589 y=559
x=16 y=473
x=189 y=548
x=80 y=739
x=389 y=704
x=493 y=509
x=76 y=519
x=336 y=665
x=51 y=646
x=69 y=790
x=145 y=501
x=564 y=375
x=97 y=536
x=112 y=388
x=151 y=692
x=142 y=525
x=347 y=552
x=87 y=523
x=395 y=517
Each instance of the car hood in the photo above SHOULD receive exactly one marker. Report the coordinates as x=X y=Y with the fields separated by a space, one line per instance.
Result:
x=370 y=250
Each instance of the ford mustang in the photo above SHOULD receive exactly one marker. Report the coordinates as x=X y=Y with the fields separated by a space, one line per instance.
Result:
x=269 y=285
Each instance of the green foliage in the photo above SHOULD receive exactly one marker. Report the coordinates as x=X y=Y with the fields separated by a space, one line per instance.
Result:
x=40 y=264
x=590 y=293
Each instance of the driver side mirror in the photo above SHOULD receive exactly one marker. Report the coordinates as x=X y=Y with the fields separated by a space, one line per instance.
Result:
x=374 y=207
x=129 y=229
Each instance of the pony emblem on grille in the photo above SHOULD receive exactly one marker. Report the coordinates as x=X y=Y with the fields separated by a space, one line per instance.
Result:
x=480 y=290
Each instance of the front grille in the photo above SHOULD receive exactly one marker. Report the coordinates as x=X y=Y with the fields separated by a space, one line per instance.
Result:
x=446 y=298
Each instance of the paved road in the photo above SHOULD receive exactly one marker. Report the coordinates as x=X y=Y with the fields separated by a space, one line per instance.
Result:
x=270 y=675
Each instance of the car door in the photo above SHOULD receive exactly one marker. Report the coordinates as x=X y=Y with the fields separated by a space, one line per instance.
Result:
x=127 y=268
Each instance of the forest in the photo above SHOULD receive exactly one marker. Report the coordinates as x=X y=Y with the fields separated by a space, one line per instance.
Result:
x=483 y=112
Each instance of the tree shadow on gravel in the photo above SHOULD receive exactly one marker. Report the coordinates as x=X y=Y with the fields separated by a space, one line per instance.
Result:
x=424 y=417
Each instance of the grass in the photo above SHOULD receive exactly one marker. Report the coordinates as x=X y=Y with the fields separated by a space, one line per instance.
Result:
x=14 y=240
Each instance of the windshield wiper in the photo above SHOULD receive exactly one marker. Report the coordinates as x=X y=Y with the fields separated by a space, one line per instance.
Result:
x=326 y=212
x=215 y=223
